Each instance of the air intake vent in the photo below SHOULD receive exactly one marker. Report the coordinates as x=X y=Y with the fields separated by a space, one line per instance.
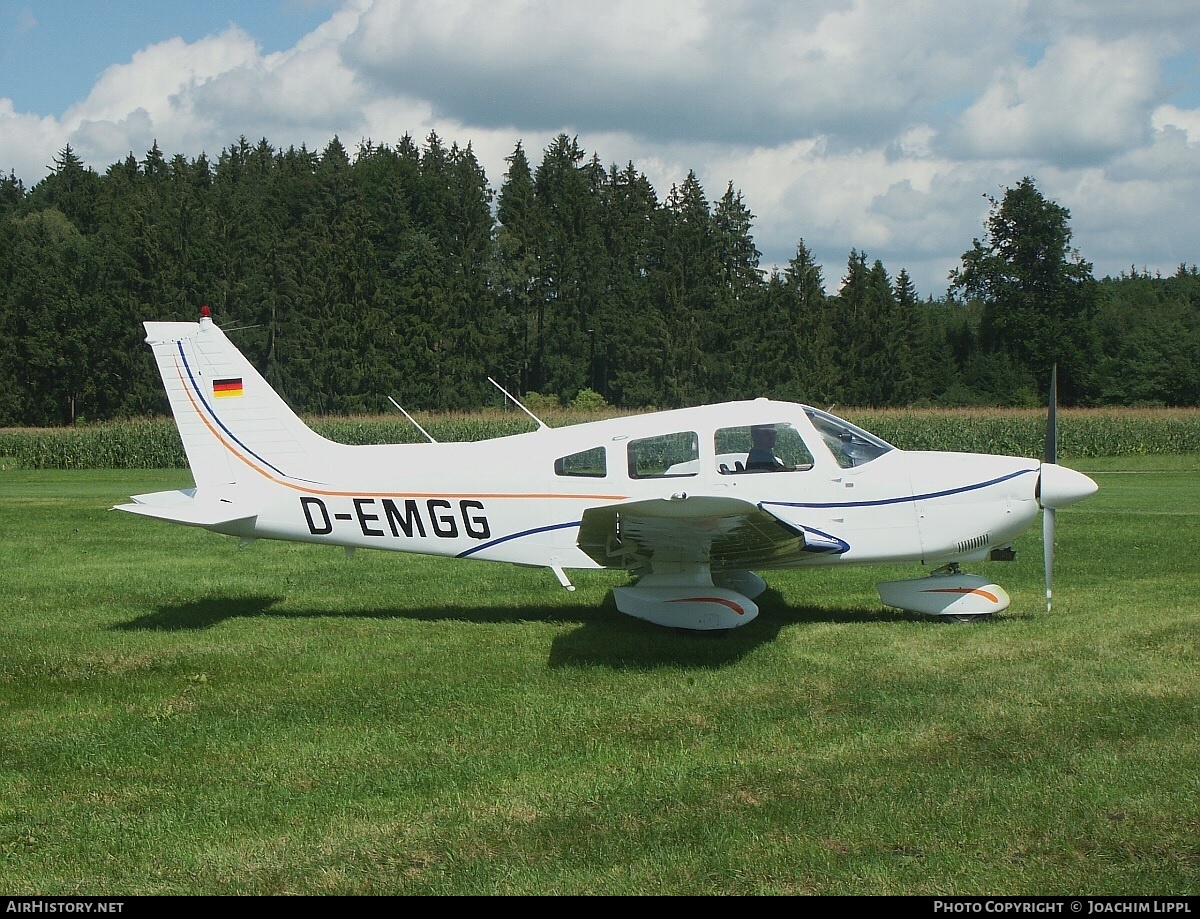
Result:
x=975 y=542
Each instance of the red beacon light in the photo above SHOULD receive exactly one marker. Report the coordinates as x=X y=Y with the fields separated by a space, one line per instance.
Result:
x=205 y=312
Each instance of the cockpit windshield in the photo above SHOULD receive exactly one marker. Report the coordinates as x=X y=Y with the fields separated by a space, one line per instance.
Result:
x=849 y=444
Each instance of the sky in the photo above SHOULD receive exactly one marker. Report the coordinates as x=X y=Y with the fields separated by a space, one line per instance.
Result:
x=884 y=127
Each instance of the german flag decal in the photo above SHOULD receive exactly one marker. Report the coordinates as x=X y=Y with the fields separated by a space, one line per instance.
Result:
x=223 y=389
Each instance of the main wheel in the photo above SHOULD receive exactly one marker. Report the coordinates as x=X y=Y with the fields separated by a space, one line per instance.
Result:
x=967 y=617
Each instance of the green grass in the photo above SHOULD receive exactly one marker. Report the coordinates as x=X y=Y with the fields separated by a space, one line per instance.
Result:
x=179 y=716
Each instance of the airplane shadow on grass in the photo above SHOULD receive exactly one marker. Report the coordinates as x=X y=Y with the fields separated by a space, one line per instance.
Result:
x=605 y=636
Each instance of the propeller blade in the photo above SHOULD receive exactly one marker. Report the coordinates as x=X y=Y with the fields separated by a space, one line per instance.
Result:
x=1051 y=419
x=1048 y=549
x=1051 y=457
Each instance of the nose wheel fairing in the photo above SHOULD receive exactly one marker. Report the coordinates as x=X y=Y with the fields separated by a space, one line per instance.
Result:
x=948 y=593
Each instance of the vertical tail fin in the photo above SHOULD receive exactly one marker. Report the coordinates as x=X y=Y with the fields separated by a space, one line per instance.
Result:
x=235 y=428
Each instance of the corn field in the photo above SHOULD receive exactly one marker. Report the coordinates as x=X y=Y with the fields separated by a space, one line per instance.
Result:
x=153 y=443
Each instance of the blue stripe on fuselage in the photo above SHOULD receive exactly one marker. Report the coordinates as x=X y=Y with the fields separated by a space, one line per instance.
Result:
x=903 y=499
x=523 y=533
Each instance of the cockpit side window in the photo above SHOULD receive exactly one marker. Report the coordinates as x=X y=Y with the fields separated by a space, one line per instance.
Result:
x=761 y=448
x=849 y=444
x=591 y=464
x=665 y=456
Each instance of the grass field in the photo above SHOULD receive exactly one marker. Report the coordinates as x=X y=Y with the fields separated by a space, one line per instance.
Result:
x=178 y=716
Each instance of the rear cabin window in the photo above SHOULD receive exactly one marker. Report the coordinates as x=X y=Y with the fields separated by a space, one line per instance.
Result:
x=666 y=456
x=590 y=464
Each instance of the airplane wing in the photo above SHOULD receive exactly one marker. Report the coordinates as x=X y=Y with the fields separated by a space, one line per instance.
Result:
x=724 y=533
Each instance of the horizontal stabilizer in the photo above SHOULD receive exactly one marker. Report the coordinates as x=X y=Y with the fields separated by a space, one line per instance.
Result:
x=219 y=514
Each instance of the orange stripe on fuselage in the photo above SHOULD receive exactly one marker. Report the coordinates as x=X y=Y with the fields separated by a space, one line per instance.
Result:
x=350 y=494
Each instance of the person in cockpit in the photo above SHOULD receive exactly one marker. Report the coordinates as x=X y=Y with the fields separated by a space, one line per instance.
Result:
x=762 y=456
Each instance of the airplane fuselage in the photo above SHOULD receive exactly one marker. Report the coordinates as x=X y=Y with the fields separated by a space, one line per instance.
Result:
x=502 y=499
x=690 y=502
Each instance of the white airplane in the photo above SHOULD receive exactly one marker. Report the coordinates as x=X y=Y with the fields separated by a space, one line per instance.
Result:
x=690 y=502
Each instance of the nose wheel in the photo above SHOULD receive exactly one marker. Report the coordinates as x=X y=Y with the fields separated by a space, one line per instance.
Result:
x=947 y=593
x=952 y=570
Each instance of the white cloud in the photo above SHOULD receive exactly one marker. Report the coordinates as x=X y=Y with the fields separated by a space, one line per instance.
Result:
x=1083 y=101
x=1166 y=117
x=749 y=73
x=151 y=98
x=27 y=143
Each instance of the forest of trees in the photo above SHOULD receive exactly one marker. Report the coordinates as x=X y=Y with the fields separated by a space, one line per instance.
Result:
x=397 y=271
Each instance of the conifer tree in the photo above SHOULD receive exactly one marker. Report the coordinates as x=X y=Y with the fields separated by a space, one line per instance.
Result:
x=1036 y=290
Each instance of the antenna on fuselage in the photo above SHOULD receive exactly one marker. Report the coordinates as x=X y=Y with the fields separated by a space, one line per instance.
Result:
x=541 y=424
x=412 y=419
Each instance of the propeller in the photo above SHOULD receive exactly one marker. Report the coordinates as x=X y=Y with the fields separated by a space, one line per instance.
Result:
x=1057 y=486
x=1050 y=458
